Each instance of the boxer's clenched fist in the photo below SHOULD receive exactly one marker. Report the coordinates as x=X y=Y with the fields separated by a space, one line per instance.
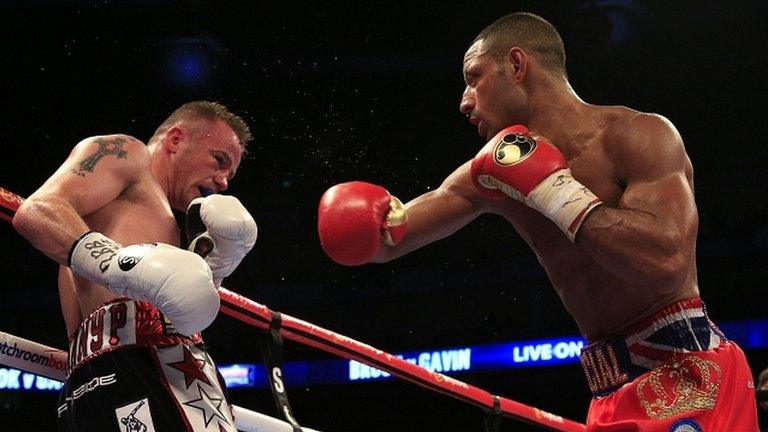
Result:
x=355 y=218
x=516 y=164
x=227 y=225
x=178 y=282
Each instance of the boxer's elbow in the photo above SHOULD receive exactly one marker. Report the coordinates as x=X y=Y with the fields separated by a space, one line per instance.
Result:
x=672 y=255
x=32 y=217
x=23 y=220
x=32 y=220
x=670 y=275
x=28 y=223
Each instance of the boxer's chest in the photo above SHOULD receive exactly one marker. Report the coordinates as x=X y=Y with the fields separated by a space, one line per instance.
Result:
x=591 y=166
x=138 y=215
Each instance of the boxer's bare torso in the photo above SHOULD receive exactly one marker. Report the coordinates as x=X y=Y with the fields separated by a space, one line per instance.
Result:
x=601 y=156
x=140 y=214
x=124 y=189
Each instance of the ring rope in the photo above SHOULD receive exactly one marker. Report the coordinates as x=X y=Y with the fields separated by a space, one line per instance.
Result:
x=257 y=315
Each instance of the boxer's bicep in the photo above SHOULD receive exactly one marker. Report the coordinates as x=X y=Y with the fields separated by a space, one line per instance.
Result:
x=97 y=171
x=651 y=231
x=94 y=174
x=648 y=237
x=658 y=177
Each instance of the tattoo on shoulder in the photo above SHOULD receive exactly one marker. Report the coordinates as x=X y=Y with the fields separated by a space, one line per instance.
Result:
x=110 y=146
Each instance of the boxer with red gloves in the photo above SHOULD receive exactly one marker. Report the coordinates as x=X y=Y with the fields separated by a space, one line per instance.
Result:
x=606 y=204
x=355 y=218
x=529 y=169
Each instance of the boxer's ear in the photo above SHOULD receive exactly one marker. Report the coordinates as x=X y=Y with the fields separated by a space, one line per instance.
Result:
x=173 y=139
x=516 y=62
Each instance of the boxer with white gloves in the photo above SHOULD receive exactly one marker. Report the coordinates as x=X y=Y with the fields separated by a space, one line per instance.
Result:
x=229 y=230
x=134 y=313
x=179 y=283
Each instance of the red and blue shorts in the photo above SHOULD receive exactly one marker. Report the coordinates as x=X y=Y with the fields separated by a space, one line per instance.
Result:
x=672 y=372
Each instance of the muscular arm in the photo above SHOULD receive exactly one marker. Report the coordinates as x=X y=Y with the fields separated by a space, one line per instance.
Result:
x=650 y=237
x=97 y=170
x=438 y=214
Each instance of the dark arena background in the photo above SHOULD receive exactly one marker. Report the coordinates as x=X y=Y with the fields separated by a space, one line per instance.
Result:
x=336 y=91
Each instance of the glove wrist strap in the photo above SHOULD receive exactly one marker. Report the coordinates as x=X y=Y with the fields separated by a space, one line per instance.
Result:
x=91 y=255
x=564 y=200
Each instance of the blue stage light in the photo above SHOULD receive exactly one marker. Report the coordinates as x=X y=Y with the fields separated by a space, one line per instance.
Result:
x=189 y=66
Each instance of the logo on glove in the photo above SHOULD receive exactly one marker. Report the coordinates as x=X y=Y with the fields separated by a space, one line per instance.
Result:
x=131 y=255
x=513 y=148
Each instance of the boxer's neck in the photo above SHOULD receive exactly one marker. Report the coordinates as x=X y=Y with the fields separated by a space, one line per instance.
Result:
x=558 y=114
x=159 y=164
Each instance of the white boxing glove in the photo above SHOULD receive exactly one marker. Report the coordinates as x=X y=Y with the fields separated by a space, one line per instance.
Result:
x=178 y=282
x=224 y=222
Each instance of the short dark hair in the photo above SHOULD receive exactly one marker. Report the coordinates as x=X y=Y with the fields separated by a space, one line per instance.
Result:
x=530 y=32
x=209 y=111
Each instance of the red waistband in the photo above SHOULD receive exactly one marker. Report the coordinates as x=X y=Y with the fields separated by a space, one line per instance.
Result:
x=664 y=314
x=679 y=328
x=123 y=323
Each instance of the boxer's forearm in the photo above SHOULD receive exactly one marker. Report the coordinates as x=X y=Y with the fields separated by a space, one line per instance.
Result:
x=51 y=224
x=637 y=246
x=431 y=217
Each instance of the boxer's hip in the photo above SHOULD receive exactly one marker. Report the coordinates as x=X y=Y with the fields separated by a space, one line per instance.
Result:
x=708 y=390
x=120 y=324
x=680 y=328
x=130 y=370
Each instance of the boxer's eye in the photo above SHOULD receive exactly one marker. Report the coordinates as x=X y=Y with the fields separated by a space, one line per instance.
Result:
x=471 y=77
x=222 y=160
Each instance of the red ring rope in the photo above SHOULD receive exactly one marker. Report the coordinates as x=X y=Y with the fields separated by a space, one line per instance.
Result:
x=257 y=315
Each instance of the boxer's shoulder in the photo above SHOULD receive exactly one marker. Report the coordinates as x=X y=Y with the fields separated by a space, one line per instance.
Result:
x=115 y=170
x=115 y=154
x=625 y=126
x=113 y=143
x=636 y=140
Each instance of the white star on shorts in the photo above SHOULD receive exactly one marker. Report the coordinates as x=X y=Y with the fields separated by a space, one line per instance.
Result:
x=211 y=407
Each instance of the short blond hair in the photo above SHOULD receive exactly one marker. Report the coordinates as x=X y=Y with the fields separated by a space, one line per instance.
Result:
x=209 y=111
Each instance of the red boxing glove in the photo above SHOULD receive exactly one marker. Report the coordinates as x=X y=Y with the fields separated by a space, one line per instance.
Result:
x=354 y=218
x=529 y=169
